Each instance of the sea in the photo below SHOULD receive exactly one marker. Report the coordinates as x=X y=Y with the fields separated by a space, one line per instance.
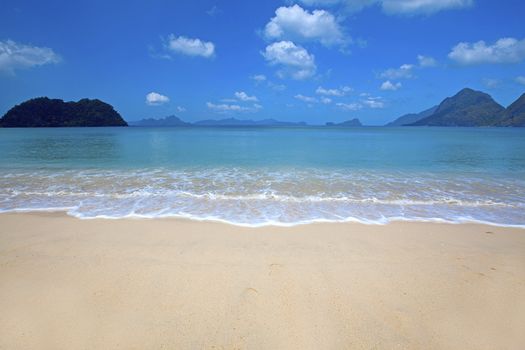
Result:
x=258 y=176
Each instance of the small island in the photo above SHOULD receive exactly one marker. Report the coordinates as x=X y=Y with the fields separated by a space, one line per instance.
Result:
x=45 y=112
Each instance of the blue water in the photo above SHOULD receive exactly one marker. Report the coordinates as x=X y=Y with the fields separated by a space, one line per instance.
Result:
x=260 y=176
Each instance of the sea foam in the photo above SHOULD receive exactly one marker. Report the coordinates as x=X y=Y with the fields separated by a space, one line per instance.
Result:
x=264 y=196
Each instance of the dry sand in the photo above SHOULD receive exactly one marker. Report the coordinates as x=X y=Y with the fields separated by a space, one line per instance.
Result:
x=173 y=284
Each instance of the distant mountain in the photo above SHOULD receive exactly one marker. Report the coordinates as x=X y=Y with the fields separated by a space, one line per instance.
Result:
x=412 y=117
x=345 y=124
x=515 y=113
x=168 y=121
x=467 y=108
x=45 y=112
x=246 y=122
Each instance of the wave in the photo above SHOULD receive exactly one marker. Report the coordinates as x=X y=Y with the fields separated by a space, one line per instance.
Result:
x=262 y=197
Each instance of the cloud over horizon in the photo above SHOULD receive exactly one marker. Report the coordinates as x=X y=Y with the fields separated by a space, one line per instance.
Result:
x=296 y=24
x=15 y=56
x=156 y=99
x=504 y=50
x=389 y=86
x=243 y=96
x=395 y=7
x=189 y=46
x=295 y=61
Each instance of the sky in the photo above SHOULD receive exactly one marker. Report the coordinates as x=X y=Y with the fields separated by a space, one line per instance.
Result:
x=307 y=60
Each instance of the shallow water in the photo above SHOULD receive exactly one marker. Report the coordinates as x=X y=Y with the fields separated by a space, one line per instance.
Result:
x=259 y=176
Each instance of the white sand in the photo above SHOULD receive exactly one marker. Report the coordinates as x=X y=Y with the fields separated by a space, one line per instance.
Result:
x=170 y=284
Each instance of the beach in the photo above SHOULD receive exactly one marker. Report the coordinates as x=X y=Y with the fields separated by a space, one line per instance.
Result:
x=67 y=283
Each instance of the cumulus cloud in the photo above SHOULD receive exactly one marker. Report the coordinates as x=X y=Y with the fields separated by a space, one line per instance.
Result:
x=520 y=79
x=295 y=23
x=294 y=60
x=426 y=61
x=19 y=56
x=243 y=96
x=333 y=92
x=156 y=99
x=389 y=86
x=505 y=50
x=403 y=72
x=403 y=7
x=191 y=47
x=307 y=99
x=326 y=100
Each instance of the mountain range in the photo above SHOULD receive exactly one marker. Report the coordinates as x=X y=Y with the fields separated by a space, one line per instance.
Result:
x=349 y=123
x=467 y=108
x=412 y=117
x=173 y=121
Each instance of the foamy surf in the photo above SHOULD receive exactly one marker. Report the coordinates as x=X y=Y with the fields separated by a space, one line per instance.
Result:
x=262 y=197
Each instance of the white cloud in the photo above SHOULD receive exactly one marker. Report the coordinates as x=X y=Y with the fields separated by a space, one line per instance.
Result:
x=181 y=109
x=348 y=5
x=369 y=101
x=295 y=23
x=223 y=107
x=333 y=92
x=307 y=99
x=18 y=56
x=374 y=102
x=505 y=50
x=190 y=47
x=326 y=100
x=243 y=96
x=403 y=72
x=349 y=106
x=295 y=60
x=232 y=108
x=404 y=7
x=156 y=99
x=426 y=61
x=388 y=85
x=409 y=7
x=320 y=2
x=258 y=77
x=520 y=79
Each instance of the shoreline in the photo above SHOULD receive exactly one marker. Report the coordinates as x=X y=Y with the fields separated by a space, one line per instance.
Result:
x=191 y=218
x=179 y=283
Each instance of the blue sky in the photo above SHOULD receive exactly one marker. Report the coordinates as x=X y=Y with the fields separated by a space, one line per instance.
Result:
x=311 y=60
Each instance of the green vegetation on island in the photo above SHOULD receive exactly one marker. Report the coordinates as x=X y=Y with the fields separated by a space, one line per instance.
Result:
x=46 y=112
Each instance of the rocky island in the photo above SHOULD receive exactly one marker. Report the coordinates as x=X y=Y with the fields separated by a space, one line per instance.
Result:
x=45 y=112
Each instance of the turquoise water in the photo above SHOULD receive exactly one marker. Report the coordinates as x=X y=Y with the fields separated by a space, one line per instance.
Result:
x=259 y=176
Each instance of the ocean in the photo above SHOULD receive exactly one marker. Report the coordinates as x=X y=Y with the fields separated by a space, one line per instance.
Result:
x=256 y=176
